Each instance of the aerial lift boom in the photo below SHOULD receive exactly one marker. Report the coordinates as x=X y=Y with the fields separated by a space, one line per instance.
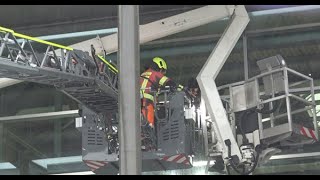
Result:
x=162 y=28
x=210 y=71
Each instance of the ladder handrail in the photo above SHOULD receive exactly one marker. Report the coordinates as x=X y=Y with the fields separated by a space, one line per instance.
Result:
x=3 y=29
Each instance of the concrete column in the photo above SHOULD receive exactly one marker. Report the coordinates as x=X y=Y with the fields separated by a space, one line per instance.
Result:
x=245 y=57
x=2 y=129
x=2 y=144
x=57 y=131
x=129 y=98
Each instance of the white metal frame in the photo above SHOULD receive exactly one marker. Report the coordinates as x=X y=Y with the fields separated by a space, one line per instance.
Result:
x=277 y=129
x=308 y=80
x=162 y=28
x=211 y=69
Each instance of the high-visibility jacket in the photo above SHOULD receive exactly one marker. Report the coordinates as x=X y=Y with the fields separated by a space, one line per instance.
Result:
x=151 y=80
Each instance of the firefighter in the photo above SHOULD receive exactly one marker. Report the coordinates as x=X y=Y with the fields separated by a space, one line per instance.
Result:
x=193 y=92
x=152 y=79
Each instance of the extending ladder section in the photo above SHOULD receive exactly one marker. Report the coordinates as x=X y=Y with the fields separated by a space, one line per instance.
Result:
x=74 y=72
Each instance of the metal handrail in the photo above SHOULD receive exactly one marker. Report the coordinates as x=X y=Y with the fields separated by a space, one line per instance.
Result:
x=6 y=30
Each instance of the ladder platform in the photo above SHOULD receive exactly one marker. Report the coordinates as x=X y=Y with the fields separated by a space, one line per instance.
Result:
x=89 y=91
x=44 y=75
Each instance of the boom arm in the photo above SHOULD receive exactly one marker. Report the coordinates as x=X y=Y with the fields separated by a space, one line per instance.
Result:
x=162 y=28
x=209 y=72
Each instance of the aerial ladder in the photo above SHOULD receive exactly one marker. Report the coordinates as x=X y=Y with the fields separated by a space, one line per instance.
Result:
x=83 y=72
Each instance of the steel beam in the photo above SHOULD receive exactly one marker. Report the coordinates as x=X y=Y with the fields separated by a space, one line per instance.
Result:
x=210 y=71
x=129 y=96
x=65 y=126
x=57 y=132
x=5 y=82
x=7 y=168
x=2 y=129
x=41 y=116
x=204 y=127
x=2 y=143
x=245 y=57
x=292 y=156
x=112 y=30
x=25 y=144
x=304 y=89
x=205 y=47
x=79 y=34
x=288 y=168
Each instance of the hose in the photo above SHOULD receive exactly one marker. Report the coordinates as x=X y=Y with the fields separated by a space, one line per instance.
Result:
x=255 y=159
x=228 y=170
x=93 y=54
x=231 y=160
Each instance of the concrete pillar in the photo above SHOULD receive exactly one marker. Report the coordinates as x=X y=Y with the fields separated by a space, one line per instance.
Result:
x=129 y=97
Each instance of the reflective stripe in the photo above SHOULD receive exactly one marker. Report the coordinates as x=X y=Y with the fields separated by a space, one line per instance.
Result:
x=143 y=88
x=148 y=96
x=141 y=94
x=180 y=87
x=6 y=29
x=145 y=81
x=109 y=64
x=112 y=71
x=146 y=74
x=144 y=84
x=163 y=80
